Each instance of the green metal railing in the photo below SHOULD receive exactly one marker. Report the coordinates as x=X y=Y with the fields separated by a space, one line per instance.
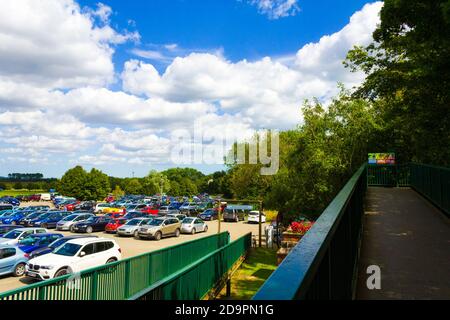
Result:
x=323 y=264
x=194 y=281
x=388 y=175
x=433 y=183
x=123 y=279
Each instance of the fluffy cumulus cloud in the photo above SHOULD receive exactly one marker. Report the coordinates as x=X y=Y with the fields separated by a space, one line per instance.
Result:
x=275 y=9
x=57 y=105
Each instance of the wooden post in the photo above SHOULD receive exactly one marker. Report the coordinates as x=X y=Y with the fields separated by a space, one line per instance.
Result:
x=228 y=288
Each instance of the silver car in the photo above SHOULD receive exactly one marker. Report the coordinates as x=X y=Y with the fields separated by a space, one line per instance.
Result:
x=67 y=223
x=193 y=225
x=132 y=226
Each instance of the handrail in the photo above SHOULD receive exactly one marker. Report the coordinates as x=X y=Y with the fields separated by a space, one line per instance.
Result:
x=308 y=270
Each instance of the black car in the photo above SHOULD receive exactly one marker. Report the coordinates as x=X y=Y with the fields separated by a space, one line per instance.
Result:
x=92 y=224
x=5 y=228
x=208 y=215
x=55 y=244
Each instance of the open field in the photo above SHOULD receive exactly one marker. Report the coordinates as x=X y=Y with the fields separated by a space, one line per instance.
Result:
x=132 y=247
x=23 y=192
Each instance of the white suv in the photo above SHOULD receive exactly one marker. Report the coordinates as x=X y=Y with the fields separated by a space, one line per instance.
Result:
x=74 y=256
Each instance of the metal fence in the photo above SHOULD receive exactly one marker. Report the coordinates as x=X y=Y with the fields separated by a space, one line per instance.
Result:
x=388 y=175
x=434 y=183
x=123 y=279
x=194 y=281
x=323 y=264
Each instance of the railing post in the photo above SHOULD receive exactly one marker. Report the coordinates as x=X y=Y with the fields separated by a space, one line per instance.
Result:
x=94 y=285
x=127 y=279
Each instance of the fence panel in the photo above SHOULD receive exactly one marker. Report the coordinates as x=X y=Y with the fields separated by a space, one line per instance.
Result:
x=122 y=279
x=196 y=280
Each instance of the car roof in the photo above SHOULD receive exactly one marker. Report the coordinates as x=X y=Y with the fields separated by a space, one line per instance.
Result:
x=39 y=235
x=79 y=237
x=83 y=241
x=27 y=229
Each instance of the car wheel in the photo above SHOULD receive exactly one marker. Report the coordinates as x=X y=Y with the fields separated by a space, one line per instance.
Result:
x=177 y=233
x=19 y=270
x=237 y=219
x=111 y=260
x=136 y=235
x=61 y=272
x=205 y=229
x=158 y=236
x=89 y=230
x=72 y=229
x=193 y=231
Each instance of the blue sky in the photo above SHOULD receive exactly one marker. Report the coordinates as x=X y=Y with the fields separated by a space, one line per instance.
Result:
x=114 y=81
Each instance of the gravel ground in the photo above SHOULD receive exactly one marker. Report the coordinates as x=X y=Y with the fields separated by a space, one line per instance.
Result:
x=132 y=247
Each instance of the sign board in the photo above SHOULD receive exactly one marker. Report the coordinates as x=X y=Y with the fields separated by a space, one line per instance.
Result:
x=382 y=158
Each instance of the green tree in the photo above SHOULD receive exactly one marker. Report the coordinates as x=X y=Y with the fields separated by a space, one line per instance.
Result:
x=408 y=74
x=96 y=186
x=118 y=192
x=73 y=183
x=133 y=186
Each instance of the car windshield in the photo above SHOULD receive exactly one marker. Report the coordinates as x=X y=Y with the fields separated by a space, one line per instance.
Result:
x=92 y=219
x=8 y=214
x=70 y=218
x=133 y=222
x=45 y=215
x=155 y=222
x=57 y=243
x=33 y=215
x=188 y=220
x=69 y=250
x=13 y=234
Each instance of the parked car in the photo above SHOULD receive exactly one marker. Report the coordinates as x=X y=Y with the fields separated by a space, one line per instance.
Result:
x=38 y=241
x=55 y=244
x=85 y=206
x=67 y=222
x=189 y=209
x=134 y=207
x=74 y=256
x=150 y=210
x=112 y=226
x=5 y=228
x=193 y=225
x=12 y=237
x=209 y=215
x=46 y=197
x=12 y=261
x=100 y=207
x=71 y=206
x=179 y=216
x=114 y=215
x=164 y=210
x=93 y=224
x=30 y=215
x=13 y=218
x=114 y=210
x=253 y=217
x=6 y=206
x=159 y=228
x=48 y=220
x=134 y=214
x=130 y=228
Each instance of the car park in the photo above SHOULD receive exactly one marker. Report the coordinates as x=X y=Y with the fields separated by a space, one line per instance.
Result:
x=67 y=222
x=193 y=225
x=5 y=228
x=55 y=244
x=130 y=228
x=93 y=224
x=37 y=241
x=12 y=261
x=159 y=228
x=209 y=215
x=12 y=237
x=74 y=256
x=253 y=217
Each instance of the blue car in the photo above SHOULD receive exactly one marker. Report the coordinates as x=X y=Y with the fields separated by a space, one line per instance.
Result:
x=55 y=244
x=12 y=218
x=12 y=261
x=48 y=220
x=10 y=200
x=38 y=241
x=30 y=215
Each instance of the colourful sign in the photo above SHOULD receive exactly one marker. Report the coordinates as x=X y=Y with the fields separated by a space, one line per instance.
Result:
x=382 y=158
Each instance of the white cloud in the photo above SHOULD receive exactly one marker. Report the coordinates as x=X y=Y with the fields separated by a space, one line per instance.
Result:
x=52 y=43
x=275 y=9
x=54 y=98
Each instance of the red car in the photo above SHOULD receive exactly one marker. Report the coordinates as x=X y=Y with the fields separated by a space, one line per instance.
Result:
x=112 y=226
x=150 y=210
x=71 y=206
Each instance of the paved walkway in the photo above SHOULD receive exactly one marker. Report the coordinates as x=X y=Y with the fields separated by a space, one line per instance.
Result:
x=409 y=239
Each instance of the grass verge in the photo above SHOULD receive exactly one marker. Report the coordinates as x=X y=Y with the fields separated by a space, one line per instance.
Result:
x=14 y=193
x=254 y=271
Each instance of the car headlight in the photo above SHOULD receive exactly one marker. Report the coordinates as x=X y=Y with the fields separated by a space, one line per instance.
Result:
x=50 y=267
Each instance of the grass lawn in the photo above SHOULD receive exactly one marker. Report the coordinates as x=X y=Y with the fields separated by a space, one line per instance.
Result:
x=255 y=270
x=14 y=193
